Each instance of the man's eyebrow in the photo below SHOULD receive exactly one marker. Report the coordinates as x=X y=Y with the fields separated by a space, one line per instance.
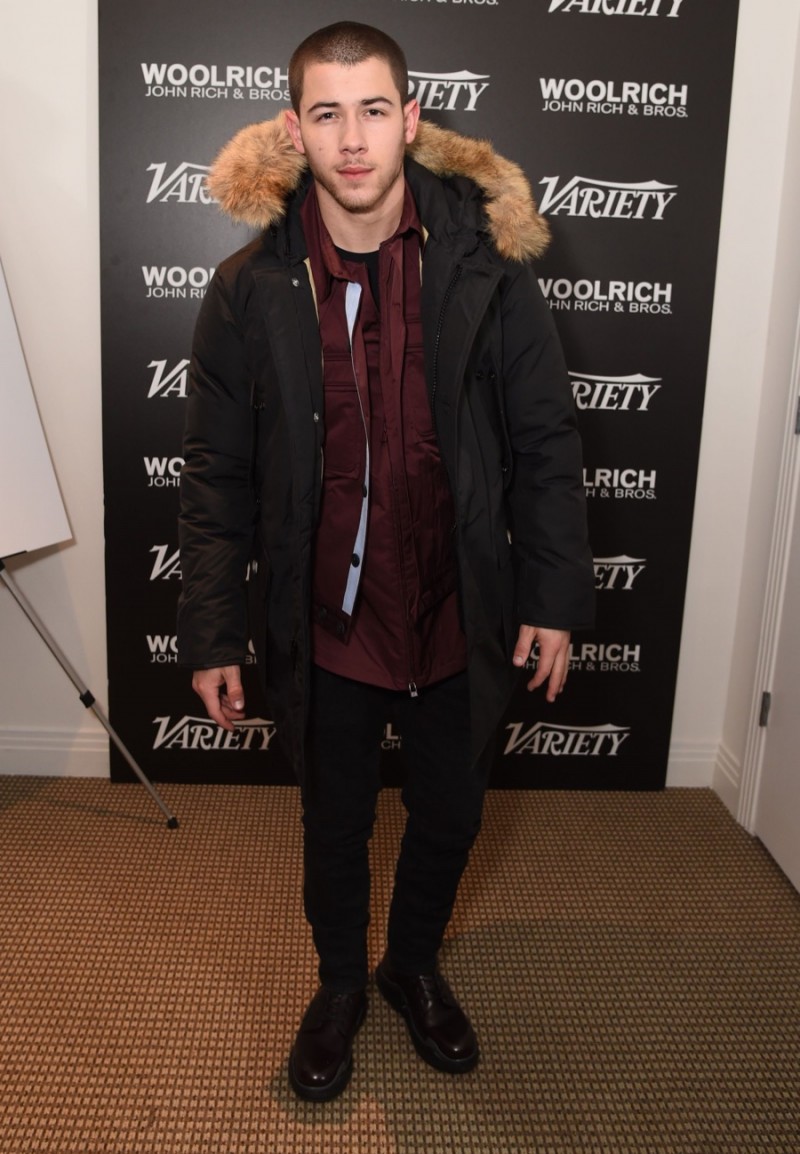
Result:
x=365 y=103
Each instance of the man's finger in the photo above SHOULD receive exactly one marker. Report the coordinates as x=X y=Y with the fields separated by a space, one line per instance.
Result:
x=221 y=693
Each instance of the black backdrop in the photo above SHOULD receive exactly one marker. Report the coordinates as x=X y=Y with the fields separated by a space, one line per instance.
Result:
x=618 y=112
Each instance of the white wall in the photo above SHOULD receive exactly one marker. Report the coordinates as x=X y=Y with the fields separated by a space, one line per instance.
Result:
x=728 y=565
x=50 y=251
x=49 y=246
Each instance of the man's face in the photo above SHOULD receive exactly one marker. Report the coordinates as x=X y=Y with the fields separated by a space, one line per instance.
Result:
x=353 y=128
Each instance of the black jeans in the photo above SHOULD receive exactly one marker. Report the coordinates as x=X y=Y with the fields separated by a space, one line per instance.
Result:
x=443 y=796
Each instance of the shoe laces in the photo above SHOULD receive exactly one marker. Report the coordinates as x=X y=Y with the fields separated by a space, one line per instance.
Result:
x=338 y=1006
x=432 y=990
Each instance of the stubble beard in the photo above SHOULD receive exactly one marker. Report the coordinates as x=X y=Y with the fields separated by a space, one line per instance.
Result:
x=356 y=201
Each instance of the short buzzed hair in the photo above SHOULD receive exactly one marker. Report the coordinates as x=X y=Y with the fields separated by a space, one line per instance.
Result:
x=346 y=43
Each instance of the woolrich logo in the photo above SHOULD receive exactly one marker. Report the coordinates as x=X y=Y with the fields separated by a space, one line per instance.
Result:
x=447 y=91
x=617 y=572
x=596 y=296
x=202 y=734
x=605 y=199
x=163 y=649
x=610 y=657
x=176 y=282
x=618 y=7
x=591 y=657
x=163 y=472
x=172 y=383
x=391 y=741
x=546 y=740
x=210 y=82
x=185 y=184
x=614 y=394
x=609 y=97
x=622 y=484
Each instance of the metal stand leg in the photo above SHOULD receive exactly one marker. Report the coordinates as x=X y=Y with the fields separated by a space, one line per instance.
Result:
x=85 y=695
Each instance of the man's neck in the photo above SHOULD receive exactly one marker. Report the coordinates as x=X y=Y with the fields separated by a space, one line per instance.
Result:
x=362 y=231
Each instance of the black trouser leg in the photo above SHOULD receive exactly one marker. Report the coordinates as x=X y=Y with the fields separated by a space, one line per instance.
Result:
x=444 y=799
x=339 y=796
x=443 y=796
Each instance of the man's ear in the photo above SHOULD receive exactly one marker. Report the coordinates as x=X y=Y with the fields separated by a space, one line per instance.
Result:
x=293 y=126
x=411 y=119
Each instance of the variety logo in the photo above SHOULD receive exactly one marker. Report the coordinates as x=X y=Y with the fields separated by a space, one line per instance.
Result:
x=200 y=733
x=615 y=394
x=621 y=484
x=168 y=384
x=163 y=472
x=176 y=283
x=619 y=296
x=209 y=82
x=447 y=91
x=605 y=199
x=618 y=7
x=610 y=98
x=617 y=572
x=166 y=565
x=543 y=739
x=185 y=184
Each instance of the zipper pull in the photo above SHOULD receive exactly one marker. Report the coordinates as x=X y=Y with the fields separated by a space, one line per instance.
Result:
x=412 y=689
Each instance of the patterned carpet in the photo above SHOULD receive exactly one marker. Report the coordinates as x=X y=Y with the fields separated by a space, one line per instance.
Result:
x=631 y=963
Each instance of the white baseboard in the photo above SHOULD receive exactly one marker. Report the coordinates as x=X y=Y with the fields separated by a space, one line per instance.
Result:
x=728 y=779
x=691 y=764
x=53 y=752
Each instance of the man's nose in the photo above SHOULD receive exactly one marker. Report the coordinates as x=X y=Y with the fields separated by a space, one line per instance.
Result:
x=352 y=138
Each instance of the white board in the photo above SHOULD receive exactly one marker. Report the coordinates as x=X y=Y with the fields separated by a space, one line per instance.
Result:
x=32 y=514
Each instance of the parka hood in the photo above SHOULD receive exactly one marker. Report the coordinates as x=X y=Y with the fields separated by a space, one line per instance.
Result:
x=256 y=172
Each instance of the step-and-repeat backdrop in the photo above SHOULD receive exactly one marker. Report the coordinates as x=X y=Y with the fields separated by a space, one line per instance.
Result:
x=618 y=112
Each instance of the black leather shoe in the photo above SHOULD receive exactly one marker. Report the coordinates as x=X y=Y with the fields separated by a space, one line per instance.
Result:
x=439 y=1028
x=321 y=1060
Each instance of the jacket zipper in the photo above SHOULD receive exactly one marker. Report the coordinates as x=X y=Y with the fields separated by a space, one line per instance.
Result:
x=453 y=282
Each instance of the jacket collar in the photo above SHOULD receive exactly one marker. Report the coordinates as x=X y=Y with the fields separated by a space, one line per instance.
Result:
x=258 y=171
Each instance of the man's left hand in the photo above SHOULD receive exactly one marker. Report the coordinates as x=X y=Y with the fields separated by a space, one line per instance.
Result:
x=553 y=656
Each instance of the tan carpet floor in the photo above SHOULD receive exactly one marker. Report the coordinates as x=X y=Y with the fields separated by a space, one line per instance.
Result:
x=631 y=963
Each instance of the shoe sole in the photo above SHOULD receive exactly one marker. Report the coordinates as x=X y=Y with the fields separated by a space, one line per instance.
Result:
x=426 y=1049
x=337 y=1084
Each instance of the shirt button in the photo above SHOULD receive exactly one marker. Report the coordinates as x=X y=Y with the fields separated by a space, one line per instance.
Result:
x=316 y=417
x=356 y=561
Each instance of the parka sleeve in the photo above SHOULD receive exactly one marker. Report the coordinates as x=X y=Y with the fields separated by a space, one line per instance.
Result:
x=546 y=497
x=217 y=503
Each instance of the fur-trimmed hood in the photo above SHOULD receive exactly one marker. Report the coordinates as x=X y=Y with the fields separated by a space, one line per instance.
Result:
x=259 y=168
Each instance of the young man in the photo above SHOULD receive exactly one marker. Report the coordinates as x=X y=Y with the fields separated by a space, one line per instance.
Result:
x=380 y=424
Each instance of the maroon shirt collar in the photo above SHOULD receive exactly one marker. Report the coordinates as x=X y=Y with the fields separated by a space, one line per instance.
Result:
x=321 y=249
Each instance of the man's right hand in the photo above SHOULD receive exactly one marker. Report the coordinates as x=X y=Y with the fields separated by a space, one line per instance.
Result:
x=222 y=694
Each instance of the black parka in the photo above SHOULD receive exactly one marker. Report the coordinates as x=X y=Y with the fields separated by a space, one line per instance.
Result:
x=255 y=432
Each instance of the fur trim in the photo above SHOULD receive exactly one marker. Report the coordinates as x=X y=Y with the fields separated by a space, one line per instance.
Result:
x=256 y=171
